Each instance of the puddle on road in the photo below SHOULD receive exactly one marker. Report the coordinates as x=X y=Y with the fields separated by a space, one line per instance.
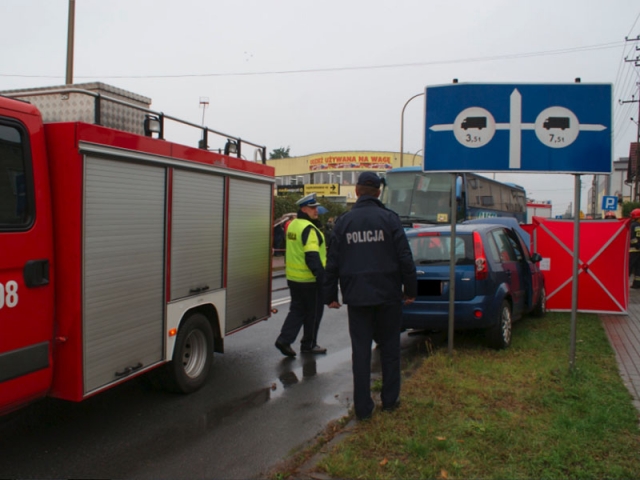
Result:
x=292 y=371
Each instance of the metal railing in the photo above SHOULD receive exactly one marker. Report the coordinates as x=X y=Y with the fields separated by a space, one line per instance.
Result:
x=233 y=145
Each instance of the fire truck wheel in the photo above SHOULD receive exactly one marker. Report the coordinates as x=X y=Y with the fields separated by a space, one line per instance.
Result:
x=192 y=355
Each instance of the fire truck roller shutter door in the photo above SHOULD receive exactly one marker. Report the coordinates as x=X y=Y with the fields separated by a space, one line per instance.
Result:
x=249 y=253
x=197 y=233
x=123 y=269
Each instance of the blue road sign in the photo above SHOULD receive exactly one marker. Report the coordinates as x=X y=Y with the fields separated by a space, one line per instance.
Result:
x=561 y=128
x=609 y=202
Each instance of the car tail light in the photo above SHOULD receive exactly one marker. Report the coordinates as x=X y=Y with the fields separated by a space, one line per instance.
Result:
x=482 y=269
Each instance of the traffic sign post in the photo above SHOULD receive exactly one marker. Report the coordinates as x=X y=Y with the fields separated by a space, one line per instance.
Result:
x=557 y=128
x=561 y=128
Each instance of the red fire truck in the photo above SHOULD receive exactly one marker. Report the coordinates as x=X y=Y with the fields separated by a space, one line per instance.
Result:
x=122 y=252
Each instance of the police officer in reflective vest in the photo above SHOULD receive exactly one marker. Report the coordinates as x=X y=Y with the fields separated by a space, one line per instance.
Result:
x=634 y=248
x=306 y=256
x=370 y=257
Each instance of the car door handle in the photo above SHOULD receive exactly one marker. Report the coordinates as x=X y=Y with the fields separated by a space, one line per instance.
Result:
x=36 y=273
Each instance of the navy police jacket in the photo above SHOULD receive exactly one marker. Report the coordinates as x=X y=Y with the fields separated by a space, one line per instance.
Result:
x=370 y=256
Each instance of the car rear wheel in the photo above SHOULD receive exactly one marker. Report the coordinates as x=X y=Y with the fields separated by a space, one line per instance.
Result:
x=499 y=336
x=541 y=307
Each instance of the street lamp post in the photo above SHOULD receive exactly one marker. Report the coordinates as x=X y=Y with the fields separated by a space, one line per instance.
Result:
x=413 y=161
x=402 y=128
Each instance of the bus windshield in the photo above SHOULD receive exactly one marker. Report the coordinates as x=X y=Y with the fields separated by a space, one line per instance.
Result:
x=418 y=196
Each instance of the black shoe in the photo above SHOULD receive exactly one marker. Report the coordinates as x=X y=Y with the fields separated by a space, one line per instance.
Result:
x=367 y=417
x=316 y=349
x=285 y=349
x=391 y=408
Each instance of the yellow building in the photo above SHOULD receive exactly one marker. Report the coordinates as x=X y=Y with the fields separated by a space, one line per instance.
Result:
x=334 y=174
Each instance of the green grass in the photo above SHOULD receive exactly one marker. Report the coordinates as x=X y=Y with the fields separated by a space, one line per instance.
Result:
x=517 y=413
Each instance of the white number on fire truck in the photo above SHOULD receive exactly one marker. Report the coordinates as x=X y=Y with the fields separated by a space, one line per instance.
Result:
x=9 y=294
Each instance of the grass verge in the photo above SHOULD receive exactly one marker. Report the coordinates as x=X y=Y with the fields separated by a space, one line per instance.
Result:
x=517 y=413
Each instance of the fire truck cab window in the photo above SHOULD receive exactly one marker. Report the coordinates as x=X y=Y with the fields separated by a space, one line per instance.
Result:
x=14 y=210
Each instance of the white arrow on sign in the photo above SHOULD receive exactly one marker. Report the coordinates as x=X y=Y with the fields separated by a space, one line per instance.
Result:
x=515 y=132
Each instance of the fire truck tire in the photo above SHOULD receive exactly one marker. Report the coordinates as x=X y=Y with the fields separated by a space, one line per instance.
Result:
x=192 y=355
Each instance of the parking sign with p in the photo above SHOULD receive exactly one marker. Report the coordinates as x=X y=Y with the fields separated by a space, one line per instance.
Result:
x=609 y=202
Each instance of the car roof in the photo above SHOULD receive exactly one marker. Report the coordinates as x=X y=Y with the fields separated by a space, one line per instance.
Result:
x=461 y=228
x=507 y=222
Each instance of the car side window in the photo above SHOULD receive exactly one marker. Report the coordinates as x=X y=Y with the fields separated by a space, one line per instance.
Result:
x=516 y=248
x=520 y=245
x=523 y=245
x=492 y=249
x=505 y=250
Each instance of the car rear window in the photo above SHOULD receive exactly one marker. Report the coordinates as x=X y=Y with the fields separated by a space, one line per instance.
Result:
x=437 y=249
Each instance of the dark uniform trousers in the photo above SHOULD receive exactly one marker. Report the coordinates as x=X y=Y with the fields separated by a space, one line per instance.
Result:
x=382 y=323
x=634 y=269
x=305 y=311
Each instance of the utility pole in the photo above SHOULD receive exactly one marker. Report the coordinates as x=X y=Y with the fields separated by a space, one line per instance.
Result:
x=635 y=162
x=70 y=35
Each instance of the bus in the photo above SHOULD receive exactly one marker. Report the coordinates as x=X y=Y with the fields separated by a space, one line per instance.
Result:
x=423 y=198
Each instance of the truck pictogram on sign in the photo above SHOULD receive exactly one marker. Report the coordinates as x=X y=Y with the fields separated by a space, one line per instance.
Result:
x=474 y=122
x=556 y=122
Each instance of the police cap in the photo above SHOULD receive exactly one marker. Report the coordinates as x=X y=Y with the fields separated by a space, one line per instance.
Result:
x=369 y=179
x=308 y=201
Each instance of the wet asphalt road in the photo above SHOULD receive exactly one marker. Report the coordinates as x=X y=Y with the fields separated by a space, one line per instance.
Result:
x=256 y=409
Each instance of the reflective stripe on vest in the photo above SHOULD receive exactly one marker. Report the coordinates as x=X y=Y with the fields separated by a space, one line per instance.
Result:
x=296 y=267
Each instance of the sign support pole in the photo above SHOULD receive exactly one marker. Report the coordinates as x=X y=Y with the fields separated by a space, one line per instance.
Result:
x=452 y=262
x=576 y=258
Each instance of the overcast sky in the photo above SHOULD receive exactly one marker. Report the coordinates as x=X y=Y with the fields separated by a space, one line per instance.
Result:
x=331 y=75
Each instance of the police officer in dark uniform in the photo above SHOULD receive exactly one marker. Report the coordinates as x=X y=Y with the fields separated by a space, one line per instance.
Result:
x=305 y=258
x=370 y=257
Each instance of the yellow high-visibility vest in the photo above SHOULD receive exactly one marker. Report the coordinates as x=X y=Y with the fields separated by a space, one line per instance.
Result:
x=296 y=268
